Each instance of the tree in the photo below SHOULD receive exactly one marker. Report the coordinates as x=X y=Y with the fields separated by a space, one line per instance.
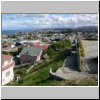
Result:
x=46 y=56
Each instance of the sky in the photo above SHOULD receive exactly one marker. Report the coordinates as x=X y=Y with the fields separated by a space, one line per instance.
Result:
x=41 y=21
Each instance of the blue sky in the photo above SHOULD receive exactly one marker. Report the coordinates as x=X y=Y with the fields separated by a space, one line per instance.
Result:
x=37 y=21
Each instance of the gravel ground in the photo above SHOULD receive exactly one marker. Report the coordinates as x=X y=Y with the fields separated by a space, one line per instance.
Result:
x=90 y=48
x=68 y=71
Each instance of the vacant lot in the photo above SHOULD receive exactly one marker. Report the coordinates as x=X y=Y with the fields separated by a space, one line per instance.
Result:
x=90 y=48
x=91 y=54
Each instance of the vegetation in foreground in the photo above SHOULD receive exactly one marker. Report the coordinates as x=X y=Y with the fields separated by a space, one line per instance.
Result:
x=41 y=77
x=81 y=49
x=80 y=53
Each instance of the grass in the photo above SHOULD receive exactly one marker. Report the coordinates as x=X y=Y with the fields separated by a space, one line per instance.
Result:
x=82 y=53
x=79 y=61
x=39 y=75
x=42 y=76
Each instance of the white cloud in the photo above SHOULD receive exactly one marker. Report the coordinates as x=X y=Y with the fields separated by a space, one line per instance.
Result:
x=14 y=16
x=54 y=21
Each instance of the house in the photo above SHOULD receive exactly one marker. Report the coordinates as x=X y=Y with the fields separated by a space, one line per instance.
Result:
x=12 y=48
x=7 y=69
x=39 y=44
x=7 y=49
x=30 y=41
x=36 y=43
x=42 y=46
x=30 y=55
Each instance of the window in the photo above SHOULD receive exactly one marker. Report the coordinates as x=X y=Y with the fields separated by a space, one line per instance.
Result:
x=7 y=73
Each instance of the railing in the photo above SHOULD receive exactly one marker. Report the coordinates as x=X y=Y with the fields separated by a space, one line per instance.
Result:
x=22 y=65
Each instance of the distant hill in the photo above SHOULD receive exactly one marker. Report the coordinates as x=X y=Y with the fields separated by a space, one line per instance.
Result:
x=87 y=29
x=81 y=29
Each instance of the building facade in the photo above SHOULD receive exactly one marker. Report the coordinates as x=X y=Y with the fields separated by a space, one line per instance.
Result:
x=7 y=69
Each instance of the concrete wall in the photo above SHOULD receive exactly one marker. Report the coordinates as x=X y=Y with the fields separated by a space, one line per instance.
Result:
x=39 y=57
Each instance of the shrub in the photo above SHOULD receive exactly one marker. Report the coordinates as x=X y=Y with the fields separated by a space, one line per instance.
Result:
x=82 y=53
x=20 y=81
x=58 y=47
x=79 y=61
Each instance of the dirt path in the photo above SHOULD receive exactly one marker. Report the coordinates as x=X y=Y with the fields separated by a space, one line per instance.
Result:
x=67 y=72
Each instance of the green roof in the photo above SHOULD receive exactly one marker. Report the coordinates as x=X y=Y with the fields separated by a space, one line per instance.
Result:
x=32 y=51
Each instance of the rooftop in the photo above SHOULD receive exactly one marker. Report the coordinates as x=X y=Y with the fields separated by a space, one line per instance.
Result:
x=6 y=48
x=41 y=46
x=32 y=51
x=8 y=65
x=6 y=57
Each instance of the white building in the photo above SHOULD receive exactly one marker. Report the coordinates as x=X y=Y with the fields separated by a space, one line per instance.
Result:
x=7 y=69
x=30 y=41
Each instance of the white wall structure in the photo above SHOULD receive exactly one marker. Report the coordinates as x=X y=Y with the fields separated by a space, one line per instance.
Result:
x=7 y=70
x=7 y=75
x=39 y=56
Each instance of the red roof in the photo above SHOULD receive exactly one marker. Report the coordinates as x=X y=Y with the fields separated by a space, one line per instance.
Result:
x=41 y=46
x=6 y=48
x=36 y=43
x=6 y=57
x=7 y=66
